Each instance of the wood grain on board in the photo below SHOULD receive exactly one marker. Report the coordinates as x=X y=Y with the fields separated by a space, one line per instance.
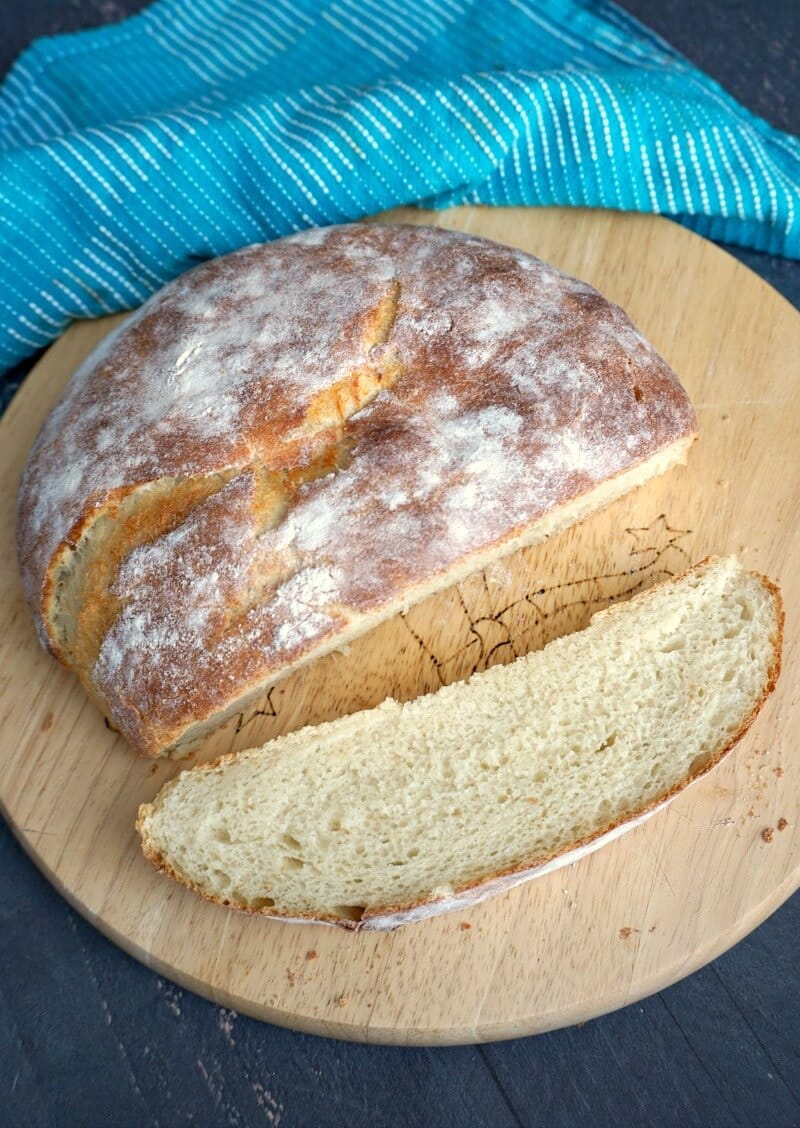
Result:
x=622 y=923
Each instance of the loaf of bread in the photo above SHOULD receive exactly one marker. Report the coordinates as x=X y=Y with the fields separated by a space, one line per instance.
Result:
x=289 y=444
x=404 y=811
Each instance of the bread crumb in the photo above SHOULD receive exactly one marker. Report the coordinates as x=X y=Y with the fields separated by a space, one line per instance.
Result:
x=342 y=1000
x=47 y=723
x=626 y=932
x=465 y=927
x=652 y=928
x=725 y=416
x=782 y=824
x=312 y=955
x=154 y=769
x=767 y=833
x=290 y=975
x=778 y=771
x=723 y=482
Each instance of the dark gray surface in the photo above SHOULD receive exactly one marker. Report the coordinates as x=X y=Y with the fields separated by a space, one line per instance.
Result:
x=88 y=1037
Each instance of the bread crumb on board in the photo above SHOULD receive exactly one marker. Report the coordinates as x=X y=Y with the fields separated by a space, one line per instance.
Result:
x=342 y=1000
x=312 y=955
x=778 y=771
x=290 y=975
x=782 y=824
x=767 y=833
x=465 y=926
x=626 y=932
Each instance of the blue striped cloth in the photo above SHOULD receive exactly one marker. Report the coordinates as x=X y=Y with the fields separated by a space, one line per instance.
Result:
x=132 y=152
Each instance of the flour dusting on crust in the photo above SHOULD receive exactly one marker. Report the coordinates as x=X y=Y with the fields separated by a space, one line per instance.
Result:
x=503 y=390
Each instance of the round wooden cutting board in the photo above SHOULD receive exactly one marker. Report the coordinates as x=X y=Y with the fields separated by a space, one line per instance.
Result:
x=622 y=923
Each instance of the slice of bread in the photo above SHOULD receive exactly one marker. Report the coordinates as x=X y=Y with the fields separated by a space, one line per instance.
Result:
x=404 y=811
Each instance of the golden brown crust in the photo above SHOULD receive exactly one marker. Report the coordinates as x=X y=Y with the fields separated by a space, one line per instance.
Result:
x=461 y=392
x=387 y=917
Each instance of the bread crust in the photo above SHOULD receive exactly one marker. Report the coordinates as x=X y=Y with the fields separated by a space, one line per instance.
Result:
x=376 y=411
x=389 y=917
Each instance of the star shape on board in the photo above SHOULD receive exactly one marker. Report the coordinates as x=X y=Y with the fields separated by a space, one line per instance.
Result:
x=657 y=537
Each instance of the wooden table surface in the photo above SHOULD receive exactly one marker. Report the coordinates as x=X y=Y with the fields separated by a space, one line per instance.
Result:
x=89 y=1037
